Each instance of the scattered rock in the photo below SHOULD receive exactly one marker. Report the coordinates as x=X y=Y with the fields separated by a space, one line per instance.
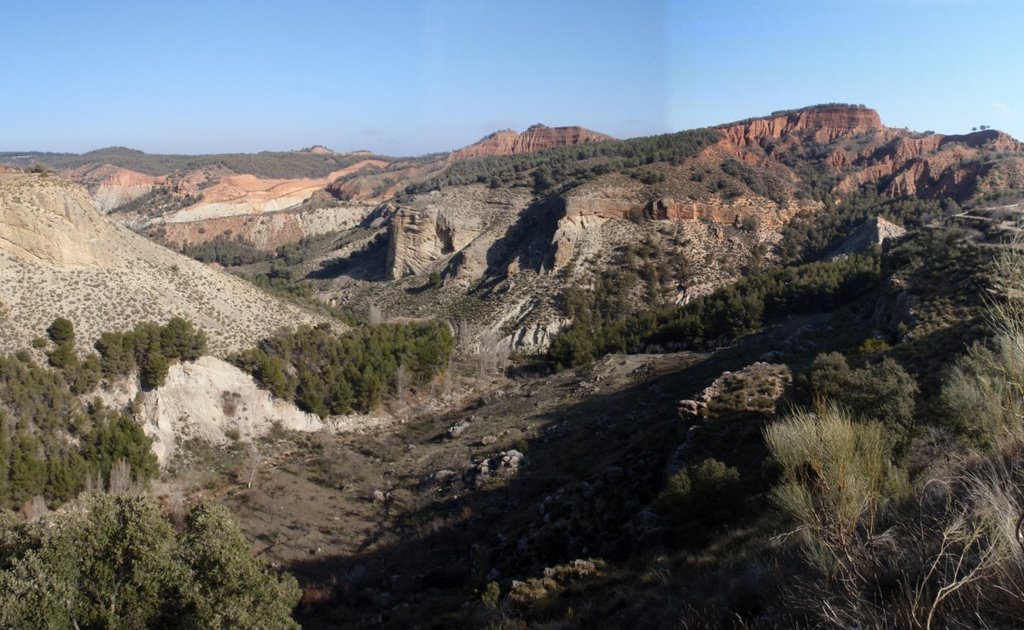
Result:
x=456 y=430
x=505 y=465
x=693 y=408
x=444 y=475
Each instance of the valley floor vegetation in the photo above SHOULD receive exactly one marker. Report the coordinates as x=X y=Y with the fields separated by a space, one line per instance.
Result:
x=330 y=374
x=108 y=556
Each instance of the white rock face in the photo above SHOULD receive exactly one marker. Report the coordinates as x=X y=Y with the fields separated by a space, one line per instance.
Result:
x=442 y=224
x=534 y=337
x=210 y=398
x=874 y=231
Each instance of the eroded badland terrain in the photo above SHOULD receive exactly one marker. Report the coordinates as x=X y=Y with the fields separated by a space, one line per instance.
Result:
x=736 y=376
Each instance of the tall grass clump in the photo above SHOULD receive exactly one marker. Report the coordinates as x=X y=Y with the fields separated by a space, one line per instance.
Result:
x=836 y=478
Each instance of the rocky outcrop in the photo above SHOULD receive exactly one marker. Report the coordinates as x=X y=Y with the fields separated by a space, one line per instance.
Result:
x=269 y=231
x=874 y=231
x=215 y=402
x=500 y=468
x=455 y=228
x=533 y=337
x=586 y=210
x=894 y=162
x=417 y=238
x=469 y=263
x=43 y=221
x=536 y=138
x=825 y=124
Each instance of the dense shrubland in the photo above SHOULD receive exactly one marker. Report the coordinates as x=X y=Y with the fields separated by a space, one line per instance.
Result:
x=561 y=168
x=329 y=374
x=809 y=236
x=149 y=348
x=226 y=251
x=883 y=544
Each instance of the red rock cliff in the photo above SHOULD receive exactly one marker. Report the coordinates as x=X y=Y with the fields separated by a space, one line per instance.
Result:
x=826 y=123
x=536 y=138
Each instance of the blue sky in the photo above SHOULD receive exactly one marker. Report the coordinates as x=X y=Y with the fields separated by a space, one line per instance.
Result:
x=408 y=77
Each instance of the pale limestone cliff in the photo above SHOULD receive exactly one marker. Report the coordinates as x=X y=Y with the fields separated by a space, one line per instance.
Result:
x=211 y=400
x=874 y=231
x=457 y=224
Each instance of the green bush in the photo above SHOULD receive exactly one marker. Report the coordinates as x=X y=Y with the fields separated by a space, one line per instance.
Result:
x=118 y=563
x=980 y=399
x=699 y=497
x=227 y=252
x=873 y=346
x=836 y=477
x=883 y=392
x=61 y=331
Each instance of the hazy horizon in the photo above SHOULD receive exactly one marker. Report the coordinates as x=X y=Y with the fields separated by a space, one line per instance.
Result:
x=431 y=76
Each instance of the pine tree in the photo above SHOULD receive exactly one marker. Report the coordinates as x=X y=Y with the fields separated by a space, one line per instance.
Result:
x=61 y=331
x=154 y=369
x=28 y=471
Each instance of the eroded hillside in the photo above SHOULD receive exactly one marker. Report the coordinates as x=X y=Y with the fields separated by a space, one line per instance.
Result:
x=60 y=256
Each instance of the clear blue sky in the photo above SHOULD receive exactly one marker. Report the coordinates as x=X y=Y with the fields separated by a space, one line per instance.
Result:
x=407 y=77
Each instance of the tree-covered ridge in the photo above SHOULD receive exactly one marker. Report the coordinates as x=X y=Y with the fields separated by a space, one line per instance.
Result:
x=599 y=327
x=117 y=562
x=329 y=374
x=558 y=169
